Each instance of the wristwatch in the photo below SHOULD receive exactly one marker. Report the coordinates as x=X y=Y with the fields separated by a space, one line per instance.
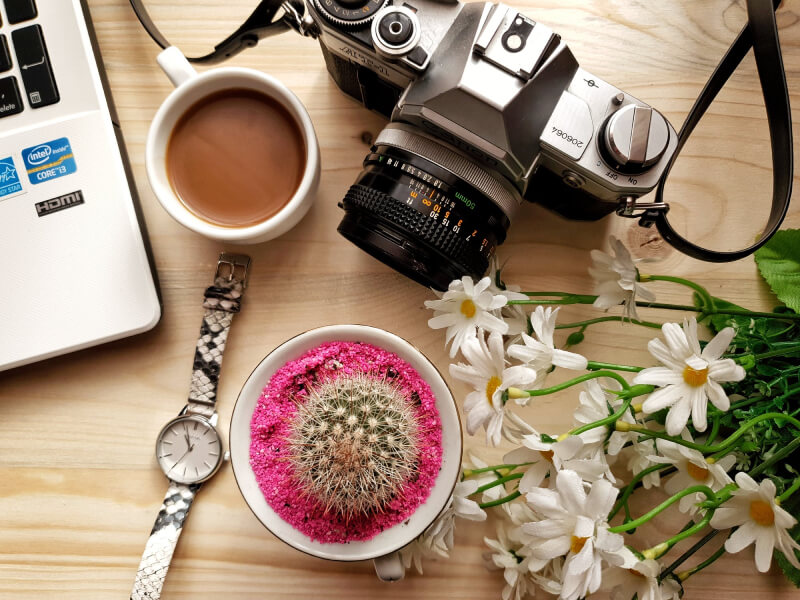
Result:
x=188 y=448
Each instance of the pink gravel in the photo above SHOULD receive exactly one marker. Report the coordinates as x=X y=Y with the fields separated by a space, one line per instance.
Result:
x=270 y=429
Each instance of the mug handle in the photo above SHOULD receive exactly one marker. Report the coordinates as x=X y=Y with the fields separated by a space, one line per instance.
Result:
x=175 y=66
x=389 y=567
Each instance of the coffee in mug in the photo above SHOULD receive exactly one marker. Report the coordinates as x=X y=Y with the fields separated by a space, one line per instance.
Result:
x=236 y=157
x=231 y=153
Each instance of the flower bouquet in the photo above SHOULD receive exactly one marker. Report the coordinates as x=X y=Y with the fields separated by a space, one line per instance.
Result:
x=710 y=417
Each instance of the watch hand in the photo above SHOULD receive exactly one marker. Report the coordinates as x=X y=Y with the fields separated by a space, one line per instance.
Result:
x=180 y=459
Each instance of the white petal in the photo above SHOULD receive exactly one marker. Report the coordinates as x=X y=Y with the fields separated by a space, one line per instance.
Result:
x=552 y=547
x=569 y=360
x=678 y=416
x=717 y=395
x=741 y=538
x=765 y=544
x=600 y=499
x=570 y=487
x=658 y=376
x=699 y=404
x=491 y=323
x=690 y=327
x=727 y=517
x=660 y=352
x=443 y=320
x=662 y=398
x=676 y=340
x=717 y=346
x=725 y=370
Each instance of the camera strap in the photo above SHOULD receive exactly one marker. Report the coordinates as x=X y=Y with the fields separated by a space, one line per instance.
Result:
x=761 y=34
x=270 y=17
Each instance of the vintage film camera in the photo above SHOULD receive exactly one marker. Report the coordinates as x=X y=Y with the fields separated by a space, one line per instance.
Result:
x=487 y=108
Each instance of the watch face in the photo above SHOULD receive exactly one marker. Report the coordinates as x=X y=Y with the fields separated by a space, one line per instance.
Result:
x=188 y=449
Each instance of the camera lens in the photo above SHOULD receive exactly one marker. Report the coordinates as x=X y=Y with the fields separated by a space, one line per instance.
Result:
x=427 y=210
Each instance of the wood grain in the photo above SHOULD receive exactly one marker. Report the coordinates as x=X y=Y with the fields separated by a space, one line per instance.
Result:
x=79 y=487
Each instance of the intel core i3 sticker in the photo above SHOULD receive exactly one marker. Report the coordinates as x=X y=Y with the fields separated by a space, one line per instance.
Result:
x=9 y=178
x=49 y=161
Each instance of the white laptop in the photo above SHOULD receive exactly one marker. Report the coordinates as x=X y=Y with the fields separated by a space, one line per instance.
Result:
x=74 y=267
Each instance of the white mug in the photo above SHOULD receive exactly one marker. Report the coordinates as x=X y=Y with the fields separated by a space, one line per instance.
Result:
x=383 y=548
x=190 y=87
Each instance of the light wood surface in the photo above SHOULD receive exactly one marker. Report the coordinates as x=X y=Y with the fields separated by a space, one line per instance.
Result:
x=79 y=486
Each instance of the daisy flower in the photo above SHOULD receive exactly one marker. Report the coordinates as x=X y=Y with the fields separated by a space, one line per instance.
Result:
x=547 y=459
x=463 y=309
x=541 y=353
x=574 y=524
x=634 y=578
x=693 y=469
x=488 y=374
x=463 y=507
x=516 y=571
x=670 y=589
x=593 y=405
x=617 y=279
x=639 y=459
x=690 y=377
x=755 y=511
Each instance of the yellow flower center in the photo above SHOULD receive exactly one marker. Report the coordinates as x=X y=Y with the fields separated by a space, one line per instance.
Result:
x=577 y=544
x=695 y=377
x=468 y=308
x=762 y=513
x=491 y=387
x=696 y=472
x=547 y=454
x=637 y=573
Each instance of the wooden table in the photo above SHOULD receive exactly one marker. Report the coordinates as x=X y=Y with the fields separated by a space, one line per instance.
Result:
x=79 y=487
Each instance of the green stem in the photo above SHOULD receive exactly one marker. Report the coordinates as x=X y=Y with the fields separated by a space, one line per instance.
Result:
x=496 y=482
x=696 y=569
x=499 y=501
x=631 y=486
x=791 y=490
x=706 y=449
x=471 y=472
x=612 y=418
x=708 y=301
x=703 y=489
x=581 y=379
x=596 y=365
x=682 y=558
x=778 y=352
x=620 y=318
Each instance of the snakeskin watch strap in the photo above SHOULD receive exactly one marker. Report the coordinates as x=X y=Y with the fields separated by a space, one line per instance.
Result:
x=222 y=301
x=161 y=543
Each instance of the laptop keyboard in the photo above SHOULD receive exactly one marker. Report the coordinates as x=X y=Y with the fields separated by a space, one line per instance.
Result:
x=30 y=51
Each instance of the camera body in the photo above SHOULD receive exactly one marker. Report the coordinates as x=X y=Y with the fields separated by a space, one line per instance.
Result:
x=481 y=98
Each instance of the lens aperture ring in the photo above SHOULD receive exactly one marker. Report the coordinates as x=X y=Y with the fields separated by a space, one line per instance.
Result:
x=383 y=207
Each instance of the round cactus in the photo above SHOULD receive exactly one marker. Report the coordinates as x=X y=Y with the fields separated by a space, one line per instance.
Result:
x=354 y=443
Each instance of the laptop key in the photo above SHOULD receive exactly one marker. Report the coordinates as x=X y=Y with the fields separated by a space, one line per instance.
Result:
x=34 y=66
x=5 y=56
x=10 y=100
x=20 y=10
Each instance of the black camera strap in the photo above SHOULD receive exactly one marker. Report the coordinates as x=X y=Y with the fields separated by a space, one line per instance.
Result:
x=761 y=34
x=269 y=18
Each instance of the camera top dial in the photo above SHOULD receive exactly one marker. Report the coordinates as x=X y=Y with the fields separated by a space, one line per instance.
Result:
x=349 y=13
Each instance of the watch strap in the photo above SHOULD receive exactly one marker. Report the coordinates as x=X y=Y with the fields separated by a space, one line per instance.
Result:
x=162 y=541
x=222 y=301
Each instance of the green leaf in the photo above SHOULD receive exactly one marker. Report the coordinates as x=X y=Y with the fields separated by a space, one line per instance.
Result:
x=779 y=263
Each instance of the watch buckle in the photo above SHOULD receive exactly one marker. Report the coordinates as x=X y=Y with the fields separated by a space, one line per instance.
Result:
x=237 y=266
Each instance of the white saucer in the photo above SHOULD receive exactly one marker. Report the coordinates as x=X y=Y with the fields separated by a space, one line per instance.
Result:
x=393 y=538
